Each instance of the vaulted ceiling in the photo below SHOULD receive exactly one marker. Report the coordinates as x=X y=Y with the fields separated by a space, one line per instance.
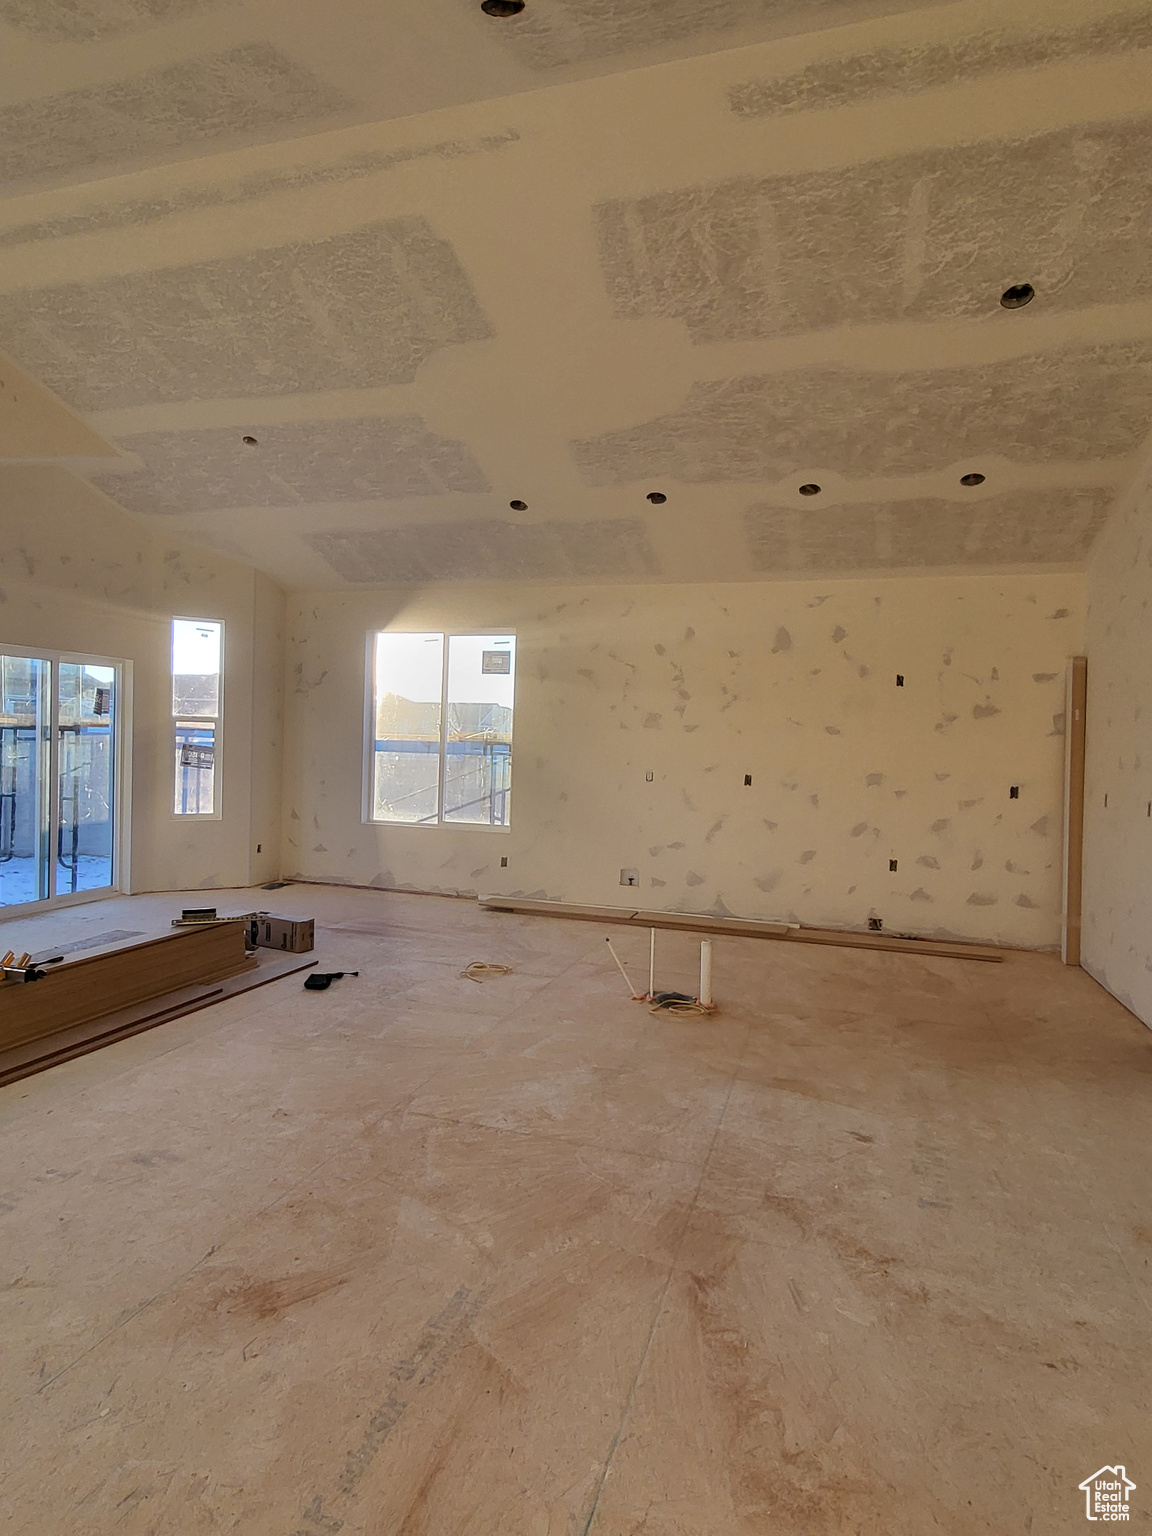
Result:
x=398 y=294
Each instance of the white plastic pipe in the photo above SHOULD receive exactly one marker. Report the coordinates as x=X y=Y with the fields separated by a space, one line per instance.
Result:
x=652 y=965
x=706 y=972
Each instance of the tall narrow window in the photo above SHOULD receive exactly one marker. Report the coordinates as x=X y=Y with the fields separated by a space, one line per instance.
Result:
x=442 y=729
x=197 y=704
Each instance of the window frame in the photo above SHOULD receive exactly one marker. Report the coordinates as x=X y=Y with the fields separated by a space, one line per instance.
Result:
x=216 y=721
x=121 y=860
x=368 y=776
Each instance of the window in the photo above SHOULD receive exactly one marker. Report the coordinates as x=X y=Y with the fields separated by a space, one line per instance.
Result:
x=197 y=652
x=59 y=776
x=442 y=729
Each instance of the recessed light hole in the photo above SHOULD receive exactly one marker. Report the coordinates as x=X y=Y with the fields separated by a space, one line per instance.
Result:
x=501 y=7
x=972 y=479
x=657 y=498
x=810 y=489
x=518 y=506
x=1017 y=296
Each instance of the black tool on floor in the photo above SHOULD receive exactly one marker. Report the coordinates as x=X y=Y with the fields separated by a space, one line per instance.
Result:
x=320 y=981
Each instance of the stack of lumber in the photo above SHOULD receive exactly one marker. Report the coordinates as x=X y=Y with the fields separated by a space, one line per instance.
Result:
x=79 y=991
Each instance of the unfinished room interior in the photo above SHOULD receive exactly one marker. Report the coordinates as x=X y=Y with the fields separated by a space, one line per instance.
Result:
x=575 y=767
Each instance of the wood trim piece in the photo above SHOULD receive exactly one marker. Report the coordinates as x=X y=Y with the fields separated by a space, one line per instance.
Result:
x=95 y=985
x=739 y=927
x=50 y=1051
x=1075 y=742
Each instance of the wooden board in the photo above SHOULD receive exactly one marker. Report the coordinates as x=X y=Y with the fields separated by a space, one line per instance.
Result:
x=95 y=985
x=51 y=1050
x=739 y=927
x=1075 y=738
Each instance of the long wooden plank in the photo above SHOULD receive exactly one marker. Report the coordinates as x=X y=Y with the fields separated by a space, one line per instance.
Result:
x=95 y=985
x=1075 y=738
x=38 y=1055
x=739 y=927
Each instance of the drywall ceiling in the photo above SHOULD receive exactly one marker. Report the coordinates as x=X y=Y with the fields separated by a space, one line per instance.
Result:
x=368 y=294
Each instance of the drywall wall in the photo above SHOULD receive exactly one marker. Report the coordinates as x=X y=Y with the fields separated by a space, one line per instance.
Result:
x=792 y=683
x=78 y=574
x=1117 y=934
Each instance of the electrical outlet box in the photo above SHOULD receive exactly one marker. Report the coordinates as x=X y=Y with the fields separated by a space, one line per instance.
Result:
x=629 y=877
x=875 y=924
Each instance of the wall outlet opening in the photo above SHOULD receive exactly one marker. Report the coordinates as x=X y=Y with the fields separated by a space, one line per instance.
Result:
x=899 y=679
x=892 y=865
x=629 y=877
x=748 y=781
x=1014 y=792
x=504 y=862
x=875 y=924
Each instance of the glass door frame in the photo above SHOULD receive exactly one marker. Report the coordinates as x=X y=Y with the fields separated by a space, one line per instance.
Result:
x=121 y=789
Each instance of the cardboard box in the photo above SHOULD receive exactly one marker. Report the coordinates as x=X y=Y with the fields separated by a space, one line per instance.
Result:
x=297 y=936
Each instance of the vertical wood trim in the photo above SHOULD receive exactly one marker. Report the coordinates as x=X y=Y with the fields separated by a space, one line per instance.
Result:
x=1075 y=709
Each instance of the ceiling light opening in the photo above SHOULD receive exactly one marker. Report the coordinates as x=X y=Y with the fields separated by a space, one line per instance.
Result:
x=501 y=7
x=972 y=479
x=1017 y=296
x=657 y=498
x=810 y=489
x=518 y=506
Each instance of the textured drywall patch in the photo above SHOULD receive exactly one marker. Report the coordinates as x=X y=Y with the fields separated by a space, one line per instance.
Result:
x=68 y=21
x=1018 y=528
x=1073 y=403
x=149 y=210
x=248 y=89
x=487 y=551
x=890 y=71
x=928 y=236
x=551 y=33
x=355 y=310
x=356 y=459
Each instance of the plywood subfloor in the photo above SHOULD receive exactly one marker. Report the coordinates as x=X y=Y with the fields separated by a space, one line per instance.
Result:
x=866 y=1253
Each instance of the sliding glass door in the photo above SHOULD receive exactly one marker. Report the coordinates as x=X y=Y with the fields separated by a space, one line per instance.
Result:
x=59 y=750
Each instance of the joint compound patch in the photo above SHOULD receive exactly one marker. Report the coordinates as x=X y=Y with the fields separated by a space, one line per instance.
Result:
x=553 y=33
x=893 y=70
x=1068 y=404
x=302 y=463
x=247 y=89
x=1038 y=527
x=86 y=21
x=353 y=311
x=889 y=240
x=487 y=551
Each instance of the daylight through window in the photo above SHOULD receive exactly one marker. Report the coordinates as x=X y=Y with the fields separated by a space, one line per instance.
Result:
x=442 y=729
x=197 y=652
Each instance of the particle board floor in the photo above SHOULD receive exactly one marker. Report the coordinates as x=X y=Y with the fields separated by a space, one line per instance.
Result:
x=866 y=1253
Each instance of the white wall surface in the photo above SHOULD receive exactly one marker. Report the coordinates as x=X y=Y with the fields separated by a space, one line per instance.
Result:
x=793 y=683
x=1117 y=931
x=78 y=574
